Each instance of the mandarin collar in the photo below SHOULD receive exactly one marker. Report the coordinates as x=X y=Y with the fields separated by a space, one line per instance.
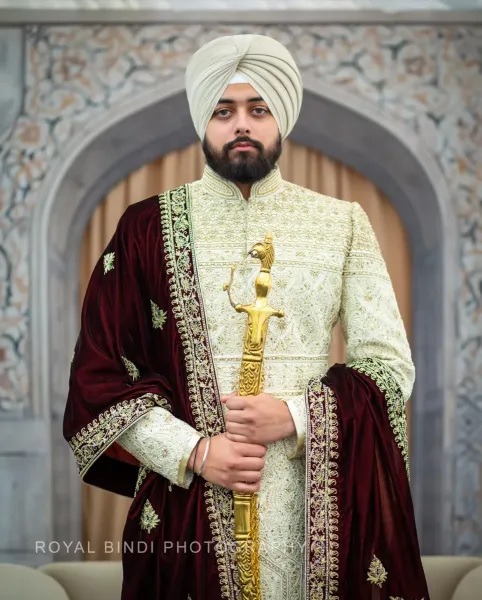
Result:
x=223 y=188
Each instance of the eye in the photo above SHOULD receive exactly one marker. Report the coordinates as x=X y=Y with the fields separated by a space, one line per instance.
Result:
x=260 y=110
x=222 y=112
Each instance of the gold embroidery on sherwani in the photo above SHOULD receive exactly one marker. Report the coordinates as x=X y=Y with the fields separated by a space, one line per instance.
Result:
x=100 y=433
x=377 y=574
x=206 y=407
x=109 y=262
x=322 y=513
x=159 y=316
x=131 y=369
x=381 y=376
x=149 y=518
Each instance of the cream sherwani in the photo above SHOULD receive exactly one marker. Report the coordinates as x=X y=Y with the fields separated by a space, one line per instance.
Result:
x=327 y=267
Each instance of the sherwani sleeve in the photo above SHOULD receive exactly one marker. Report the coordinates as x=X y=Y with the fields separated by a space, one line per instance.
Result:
x=374 y=331
x=375 y=335
x=357 y=460
x=119 y=408
x=295 y=444
x=163 y=444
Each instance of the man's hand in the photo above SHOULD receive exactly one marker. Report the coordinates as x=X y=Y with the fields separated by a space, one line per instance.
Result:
x=231 y=465
x=260 y=419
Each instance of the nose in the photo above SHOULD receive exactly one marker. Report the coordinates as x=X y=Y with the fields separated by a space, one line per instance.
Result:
x=242 y=126
x=242 y=131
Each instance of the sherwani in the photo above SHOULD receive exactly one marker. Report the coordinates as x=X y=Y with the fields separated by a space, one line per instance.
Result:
x=160 y=342
x=315 y=239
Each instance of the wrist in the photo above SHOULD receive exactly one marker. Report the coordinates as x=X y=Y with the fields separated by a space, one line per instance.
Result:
x=296 y=442
x=290 y=426
x=199 y=466
x=196 y=455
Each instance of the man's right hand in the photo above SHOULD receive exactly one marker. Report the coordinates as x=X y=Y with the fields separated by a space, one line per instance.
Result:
x=231 y=464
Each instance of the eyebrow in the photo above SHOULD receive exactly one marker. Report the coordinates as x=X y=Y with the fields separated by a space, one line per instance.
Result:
x=230 y=101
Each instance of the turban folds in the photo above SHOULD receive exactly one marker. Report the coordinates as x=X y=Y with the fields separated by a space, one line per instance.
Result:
x=261 y=61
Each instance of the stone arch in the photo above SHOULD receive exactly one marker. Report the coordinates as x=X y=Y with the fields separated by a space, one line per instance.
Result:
x=333 y=122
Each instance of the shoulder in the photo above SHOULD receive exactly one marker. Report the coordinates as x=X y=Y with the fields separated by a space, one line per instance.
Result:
x=139 y=212
x=332 y=214
x=145 y=214
x=344 y=220
x=328 y=202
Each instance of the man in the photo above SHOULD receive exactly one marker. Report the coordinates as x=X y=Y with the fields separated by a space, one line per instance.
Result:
x=153 y=411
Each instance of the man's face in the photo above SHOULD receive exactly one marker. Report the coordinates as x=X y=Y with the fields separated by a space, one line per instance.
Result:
x=242 y=141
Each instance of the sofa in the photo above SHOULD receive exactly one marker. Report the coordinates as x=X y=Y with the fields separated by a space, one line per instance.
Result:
x=449 y=578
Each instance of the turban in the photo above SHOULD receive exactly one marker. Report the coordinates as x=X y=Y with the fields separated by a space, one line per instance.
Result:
x=256 y=59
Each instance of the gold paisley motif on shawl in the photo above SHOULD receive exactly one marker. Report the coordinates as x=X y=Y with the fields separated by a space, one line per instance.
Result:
x=131 y=368
x=149 y=518
x=377 y=574
x=109 y=262
x=159 y=316
x=142 y=474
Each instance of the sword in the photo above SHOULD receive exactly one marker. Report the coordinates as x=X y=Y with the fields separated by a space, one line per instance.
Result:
x=251 y=383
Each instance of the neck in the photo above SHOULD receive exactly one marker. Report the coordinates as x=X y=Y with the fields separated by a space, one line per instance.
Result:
x=245 y=189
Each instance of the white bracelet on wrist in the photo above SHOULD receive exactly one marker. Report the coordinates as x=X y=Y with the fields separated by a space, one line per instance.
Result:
x=208 y=443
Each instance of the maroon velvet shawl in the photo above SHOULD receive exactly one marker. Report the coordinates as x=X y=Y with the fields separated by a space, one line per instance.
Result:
x=361 y=537
x=144 y=343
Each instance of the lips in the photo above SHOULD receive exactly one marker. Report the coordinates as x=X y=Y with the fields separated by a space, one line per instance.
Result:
x=243 y=146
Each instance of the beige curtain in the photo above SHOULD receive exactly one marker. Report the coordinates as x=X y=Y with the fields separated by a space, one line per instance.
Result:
x=104 y=513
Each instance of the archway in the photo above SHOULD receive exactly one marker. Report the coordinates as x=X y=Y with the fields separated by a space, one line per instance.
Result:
x=332 y=122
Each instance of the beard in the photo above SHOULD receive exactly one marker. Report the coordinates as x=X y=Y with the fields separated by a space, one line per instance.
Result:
x=243 y=167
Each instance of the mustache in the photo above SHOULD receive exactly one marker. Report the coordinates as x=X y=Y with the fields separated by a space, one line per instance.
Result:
x=245 y=139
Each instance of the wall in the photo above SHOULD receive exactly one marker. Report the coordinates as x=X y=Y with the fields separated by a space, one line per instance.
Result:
x=426 y=78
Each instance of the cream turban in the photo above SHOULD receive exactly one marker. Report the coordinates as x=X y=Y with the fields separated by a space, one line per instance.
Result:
x=259 y=60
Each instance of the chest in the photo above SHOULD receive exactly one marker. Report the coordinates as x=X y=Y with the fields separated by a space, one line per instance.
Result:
x=310 y=250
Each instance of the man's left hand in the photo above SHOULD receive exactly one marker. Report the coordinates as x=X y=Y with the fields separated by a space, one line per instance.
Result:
x=260 y=419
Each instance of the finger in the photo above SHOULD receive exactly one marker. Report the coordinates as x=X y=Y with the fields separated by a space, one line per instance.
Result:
x=252 y=450
x=235 y=416
x=248 y=476
x=235 y=427
x=246 y=488
x=235 y=402
x=250 y=464
x=233 y=437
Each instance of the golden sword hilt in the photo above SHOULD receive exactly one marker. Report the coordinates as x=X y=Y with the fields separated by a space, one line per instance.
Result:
x=251 y=383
